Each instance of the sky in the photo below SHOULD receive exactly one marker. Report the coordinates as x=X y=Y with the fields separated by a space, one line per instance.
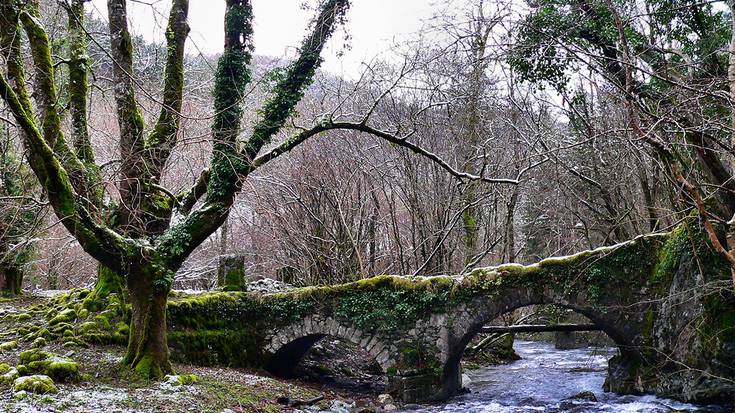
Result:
x=279 y=25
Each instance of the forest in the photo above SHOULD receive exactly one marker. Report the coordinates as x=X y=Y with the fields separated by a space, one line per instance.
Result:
x=188 y=227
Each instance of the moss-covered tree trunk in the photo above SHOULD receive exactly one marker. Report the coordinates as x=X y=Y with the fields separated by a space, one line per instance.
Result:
x=147 y=351
x=108 y=282
x=476 y=83
x=145 y=245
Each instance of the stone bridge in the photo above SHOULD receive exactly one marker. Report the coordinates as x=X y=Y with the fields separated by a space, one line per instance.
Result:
x=648 y=295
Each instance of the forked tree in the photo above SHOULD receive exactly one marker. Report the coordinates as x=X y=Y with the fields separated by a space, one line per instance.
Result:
x=154 y=230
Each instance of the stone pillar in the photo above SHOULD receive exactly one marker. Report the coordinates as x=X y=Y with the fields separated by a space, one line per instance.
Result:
x=231 y=272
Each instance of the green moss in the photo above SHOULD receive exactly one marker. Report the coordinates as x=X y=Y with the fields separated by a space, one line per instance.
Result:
x=648 y=327
x=108 y=282
x=10 y=376
x=59 y=329
x=57 y=367
x=23 y=317
x=147 y=368
x=65 y=316
x=181 y=379
x=38 y=384
x=86 y=327
x=8 y=346
x=218 y=347
x=103 y=321
x=43 y=333
x=4 y=368
x=33 y=355
x=388 y=308
x=39 y=342
x=74 y=342
x=677 y=245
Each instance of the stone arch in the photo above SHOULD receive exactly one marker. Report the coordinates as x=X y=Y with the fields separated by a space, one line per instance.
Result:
x=288 y=345
x=467 y=320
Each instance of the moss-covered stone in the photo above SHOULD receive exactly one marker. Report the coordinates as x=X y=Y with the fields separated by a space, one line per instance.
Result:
x=231 y=273
x=58 y=330
x=23 y=317
x=74 y=342
x=4 y=368
x=66 y=316
x=43 y=333
x=10 y=376
x=181 y=379
x=33 y=355
x=8 y=346
x=39 y=342
x=86 y=327
x=57 y=367
x=38 y=384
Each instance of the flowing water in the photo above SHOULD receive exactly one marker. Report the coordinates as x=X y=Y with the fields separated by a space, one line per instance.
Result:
x=546 y=379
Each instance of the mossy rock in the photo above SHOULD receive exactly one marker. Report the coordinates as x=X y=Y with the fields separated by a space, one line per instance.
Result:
x=23 y=317
x=57 y=367
x=86 y=327
x=59 y=329
x=109 y=314
x=39 y=342
x=8 y=346
x=33 y=355
x=98 y=338
x=4 y=368
x=38 y=384
x=65 y=316
x=10 y=376
x=23 y=330
x=74 y=342
x=181 y=379
x=103 y=322
x=43 y=333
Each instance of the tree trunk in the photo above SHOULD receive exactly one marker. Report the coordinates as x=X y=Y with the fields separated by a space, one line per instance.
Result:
x=510 y=234
x=11 y=280
x=731 y=81
x=108 y=282
x=147 y=352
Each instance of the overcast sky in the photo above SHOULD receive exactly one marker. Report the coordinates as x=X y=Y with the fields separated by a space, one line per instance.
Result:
x=281 y=24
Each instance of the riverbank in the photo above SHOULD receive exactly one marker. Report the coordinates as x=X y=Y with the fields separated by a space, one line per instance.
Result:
x=100 y=385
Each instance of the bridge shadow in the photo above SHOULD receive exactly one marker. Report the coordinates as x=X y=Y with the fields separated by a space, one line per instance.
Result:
x=331 y=361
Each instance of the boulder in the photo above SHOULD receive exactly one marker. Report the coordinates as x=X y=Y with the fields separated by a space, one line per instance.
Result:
x=39 y=384
x=57 y=367
x=8 y=346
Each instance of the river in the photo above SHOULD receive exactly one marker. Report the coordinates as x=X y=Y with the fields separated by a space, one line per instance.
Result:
x=545 y=379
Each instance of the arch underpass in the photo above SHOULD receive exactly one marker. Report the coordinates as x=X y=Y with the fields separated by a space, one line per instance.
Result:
x=417 y=328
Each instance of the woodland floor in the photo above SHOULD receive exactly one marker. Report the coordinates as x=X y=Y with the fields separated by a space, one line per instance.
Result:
x=108 y=388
